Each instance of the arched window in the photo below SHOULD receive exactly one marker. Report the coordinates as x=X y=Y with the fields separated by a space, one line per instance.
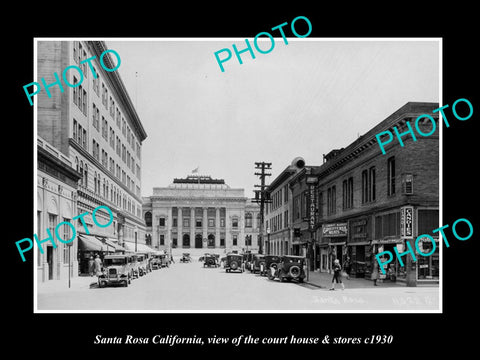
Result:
x=248 y=220
x=186 y=240
x=148 y=218
x=211 y=240
x=81 y=172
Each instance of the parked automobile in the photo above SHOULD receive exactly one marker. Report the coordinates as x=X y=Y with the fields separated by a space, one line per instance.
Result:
x=164 y=260
x=270 y=261
x=210 y=260
x=116 y=270
x=135 y=266
x=142 y=264
x=156 y=261
x=289 y=268
x=185 y=258
x=234 y=263
x=258 y=263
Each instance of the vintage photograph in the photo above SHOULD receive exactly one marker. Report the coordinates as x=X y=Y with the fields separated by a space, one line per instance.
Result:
x=169 y=181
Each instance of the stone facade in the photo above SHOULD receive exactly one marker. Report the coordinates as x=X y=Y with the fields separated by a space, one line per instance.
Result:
x=199 y=214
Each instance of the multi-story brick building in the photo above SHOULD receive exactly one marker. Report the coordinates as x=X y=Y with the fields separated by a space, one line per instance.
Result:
x=278 y=212
x=198 y=214
x=96 y=126
x=370 y=202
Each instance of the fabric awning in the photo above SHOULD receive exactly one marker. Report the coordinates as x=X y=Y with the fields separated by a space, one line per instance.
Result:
x=91 y=243
x=110 y=242
x=141 y=248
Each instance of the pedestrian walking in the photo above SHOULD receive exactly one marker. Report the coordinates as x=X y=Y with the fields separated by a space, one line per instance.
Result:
x=337 y=274
x=375 y=273
x=91 y=266
x=98 y=265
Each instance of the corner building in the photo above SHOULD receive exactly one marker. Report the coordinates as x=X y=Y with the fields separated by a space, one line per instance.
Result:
x=95 y=125
x=370 y=202
x=198 y=214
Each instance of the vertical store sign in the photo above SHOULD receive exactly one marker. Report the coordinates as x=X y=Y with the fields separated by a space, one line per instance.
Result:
x=406 y=222
x=312 y=208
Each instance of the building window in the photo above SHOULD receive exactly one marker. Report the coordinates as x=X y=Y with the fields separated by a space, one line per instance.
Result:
x=161 y=222
x=235 y=222
x=222 y=222
x=186 y=222
x=296 y=207
x=174 y=243
x=331 y=200
x=211 y=240
x=391 y=176
x=348 y=193
x=186 y=240
x=162 y=239
x=371 y=183
x=211 y=222
x=248 y=220
x=148 y=218
x=174 y=222
x=234 y=240
x=222 y=242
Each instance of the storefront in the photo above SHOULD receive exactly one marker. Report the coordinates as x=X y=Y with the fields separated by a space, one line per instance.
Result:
x=90 y=245
x=428 y=267
x=335 y=235
x=359 y=247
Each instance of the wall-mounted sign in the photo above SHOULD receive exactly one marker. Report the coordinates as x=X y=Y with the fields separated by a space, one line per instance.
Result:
x=334 y=230
x=312 y=208
x=406 y=222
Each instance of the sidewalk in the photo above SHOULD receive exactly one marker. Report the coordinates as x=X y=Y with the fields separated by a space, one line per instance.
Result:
x=324 y=280
x=76 y=283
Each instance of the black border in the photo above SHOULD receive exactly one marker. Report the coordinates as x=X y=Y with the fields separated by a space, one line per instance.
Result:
x=414 y=334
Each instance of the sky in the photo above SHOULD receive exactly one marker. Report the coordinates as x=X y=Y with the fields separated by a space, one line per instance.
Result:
x=301 y=99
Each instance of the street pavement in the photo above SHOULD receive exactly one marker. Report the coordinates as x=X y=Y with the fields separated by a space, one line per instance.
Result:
x=189 y=287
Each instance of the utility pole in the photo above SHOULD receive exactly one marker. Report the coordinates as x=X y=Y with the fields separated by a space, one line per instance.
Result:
x=262 y=197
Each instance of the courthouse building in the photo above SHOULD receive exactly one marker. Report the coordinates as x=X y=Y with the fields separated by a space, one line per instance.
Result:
x=198 y=214
x=95 y=125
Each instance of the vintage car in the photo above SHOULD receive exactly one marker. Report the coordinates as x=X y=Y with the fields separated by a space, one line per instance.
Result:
x=142 y=264
x=289 y=268
x=270 y=261
x=156 y=261
x=210 y=260
x=258 y=263
x=164 y=260
x=233 y=263
x=185 y=258
x=116 y=270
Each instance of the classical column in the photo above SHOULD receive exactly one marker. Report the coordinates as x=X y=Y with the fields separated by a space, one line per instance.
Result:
x=179 y=227
x=192 y=227
x=228 y=230
x=205 y=224
x=217 y=226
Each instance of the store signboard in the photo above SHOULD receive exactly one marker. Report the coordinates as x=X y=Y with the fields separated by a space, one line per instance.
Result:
x=334 y=230
x=312 y=208
x=406 y=222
